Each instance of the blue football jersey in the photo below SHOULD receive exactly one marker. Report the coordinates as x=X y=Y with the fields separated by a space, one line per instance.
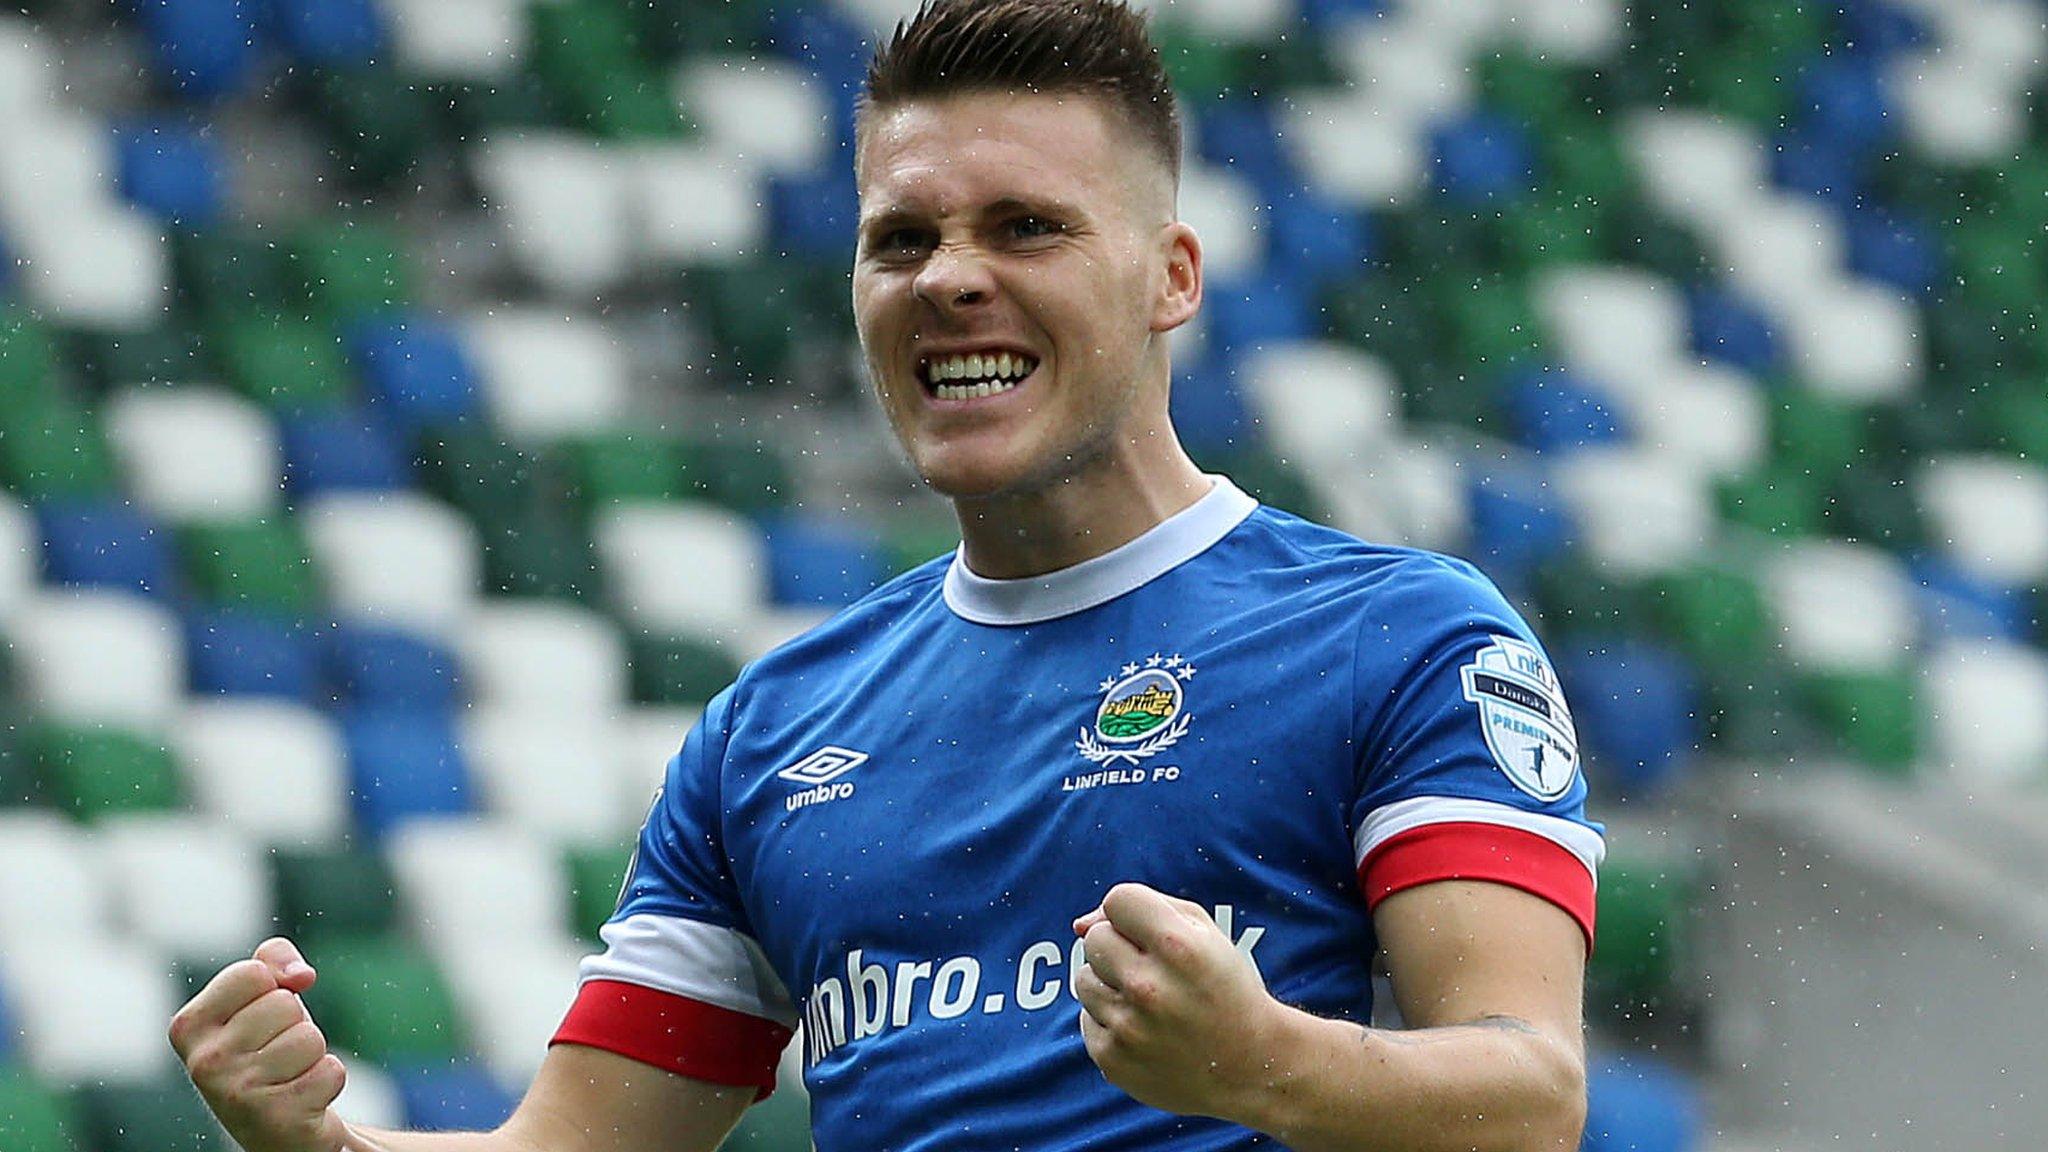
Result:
x=884 y=829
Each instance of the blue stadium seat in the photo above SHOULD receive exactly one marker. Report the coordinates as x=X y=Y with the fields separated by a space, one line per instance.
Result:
x=832 y=47
x=1821 y=166
x=106 y=544
x=819 y=562
x=1322 y=13
x=246 y=652
x=461 y=1096
x=1639 y=1104
x=1209 y=407
x=404 y=762
x=414 y=369
x=202 y=48
x=1482 y=158
x=1554 y=410
x=329 y=31
x=1727 y=328
x=341 y=451
x=1312 y=239
x=1244 y=313
x=1842 y=98
x=1896 y=251
x=814 y=214
x=1880 y=27
x=1237 y=133
x=1957 y=605
x=375 y=667
x=171 y=169
x=1637 y=709
x=1517 y=522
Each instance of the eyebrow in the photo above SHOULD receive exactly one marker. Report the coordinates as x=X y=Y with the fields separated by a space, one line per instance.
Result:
x=1002 y=206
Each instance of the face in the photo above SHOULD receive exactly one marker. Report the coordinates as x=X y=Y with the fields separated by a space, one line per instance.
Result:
x=1017 y=267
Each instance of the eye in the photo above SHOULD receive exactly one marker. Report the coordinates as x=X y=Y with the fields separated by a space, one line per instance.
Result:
x=901 y=242
x=1033 y=228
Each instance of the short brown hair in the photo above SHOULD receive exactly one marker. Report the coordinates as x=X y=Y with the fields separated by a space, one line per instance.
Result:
x=957 y=47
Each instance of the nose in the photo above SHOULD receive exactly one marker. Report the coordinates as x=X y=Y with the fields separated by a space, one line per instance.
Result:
x=953 y=278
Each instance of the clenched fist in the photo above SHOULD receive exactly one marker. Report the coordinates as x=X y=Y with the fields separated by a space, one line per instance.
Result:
x=256 y=1056
x=1171 y=1011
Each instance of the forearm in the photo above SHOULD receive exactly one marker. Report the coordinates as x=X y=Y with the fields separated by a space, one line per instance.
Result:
x=362 y=1139
x=1338 y=1087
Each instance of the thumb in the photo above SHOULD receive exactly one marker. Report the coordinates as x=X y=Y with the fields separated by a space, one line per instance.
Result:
x=282 y=957
x=1089 y=919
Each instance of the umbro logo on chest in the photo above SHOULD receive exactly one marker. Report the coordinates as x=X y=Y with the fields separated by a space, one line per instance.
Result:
x=819 y=773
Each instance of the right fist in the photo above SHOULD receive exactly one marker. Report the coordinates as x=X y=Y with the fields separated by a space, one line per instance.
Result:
x=258 y=1059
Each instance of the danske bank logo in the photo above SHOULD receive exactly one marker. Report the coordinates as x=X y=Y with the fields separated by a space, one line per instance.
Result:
x=874 y=995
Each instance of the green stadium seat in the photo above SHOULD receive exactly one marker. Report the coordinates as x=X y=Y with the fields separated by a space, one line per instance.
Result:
x=90 y=771
x=1201 y=66
x=1820 y=436
x=585 y=52
x=53 y=450
x=595 y=872
x=478 y=471
x=1384 y=318
x=1715 y=611
x=757 y=309
x=347 y=269
x=382 y=998
x=340 y=891
x=283 y=362
x=1493 y=323
x=28 y=357
x=168 y=353
x=379 y=123
x=749 y=477
x=1643 y=920
x=164 y=1115
x=32 y=1117
x=668 y=29
x=474 y=108
x=226 y=272
x=616 y=467
x=251 y=563
x=1287 y=63
x=912 y=542
x=1782 y=500
x=1563 y=228
x=545 y=555
x=1872 y=715
x=1995 y=261
x=1580 y=599
x=678 y=669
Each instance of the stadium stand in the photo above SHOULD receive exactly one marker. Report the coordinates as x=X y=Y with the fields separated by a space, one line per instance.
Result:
x=369 y=369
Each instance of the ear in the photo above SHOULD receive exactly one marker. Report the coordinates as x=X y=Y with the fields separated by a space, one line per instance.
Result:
x=1180 y=295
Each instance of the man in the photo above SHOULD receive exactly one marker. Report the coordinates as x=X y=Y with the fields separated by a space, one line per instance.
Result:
x=1141 y=745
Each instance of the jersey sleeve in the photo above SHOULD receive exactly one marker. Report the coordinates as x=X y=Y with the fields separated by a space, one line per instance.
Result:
x=1469 y=762
x=681 y=983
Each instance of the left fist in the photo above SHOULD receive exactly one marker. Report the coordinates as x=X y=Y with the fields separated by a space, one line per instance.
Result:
x=1171 y=1011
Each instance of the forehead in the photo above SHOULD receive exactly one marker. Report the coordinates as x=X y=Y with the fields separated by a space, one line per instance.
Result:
x=945 y=155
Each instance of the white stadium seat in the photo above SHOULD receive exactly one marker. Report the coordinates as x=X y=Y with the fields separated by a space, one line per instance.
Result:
x=477 y=879
x=274 y=769
x=1782 y=251
x=543 y=655
x=1412 y=72
x=395 y=558
x=52 y=880
x=1842 y=607
x=1956 y=113
x=542 y=770
x=1699 y=168
x=1989 y=514
x=189 y=885
x=1704 y=416
x=1857 y=341
x=21 y=556
x=95 y=656
x=1223 y=208
x=370 y=1097
x=196 y=452
x=1624 y=326
x=766 y=112
x=113 y=1034
x=1352 y=150
x=1569 y=32
x=2002 y=39
x=546 y=375
x=644 y=739
x=1231 y=21
x=693 y=205
x=512 y=994
x=103 y=267
x=1409 y=492
x=458 y=39
x=1983 y=703
x=29 y=75
x=649 y=549
x=53 y=167
x=1322 y=403
x=771 y=628
x=1638 y=512
x=561 y=199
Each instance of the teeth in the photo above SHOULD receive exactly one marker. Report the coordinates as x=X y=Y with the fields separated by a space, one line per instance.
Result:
x=997 y=366
x=977 y=391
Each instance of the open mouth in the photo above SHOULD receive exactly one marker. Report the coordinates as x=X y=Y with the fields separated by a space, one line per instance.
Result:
x=971 y=376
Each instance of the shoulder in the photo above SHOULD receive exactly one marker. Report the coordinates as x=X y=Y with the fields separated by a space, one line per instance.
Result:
x=1392 y=583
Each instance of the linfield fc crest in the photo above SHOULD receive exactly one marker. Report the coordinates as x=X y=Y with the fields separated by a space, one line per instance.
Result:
x=1522 y=712
x=1143 y=711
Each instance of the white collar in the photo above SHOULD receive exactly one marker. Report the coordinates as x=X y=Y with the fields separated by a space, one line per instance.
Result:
x=1163 y=547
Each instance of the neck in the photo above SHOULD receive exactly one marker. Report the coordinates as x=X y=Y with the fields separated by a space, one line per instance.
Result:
x=1078 y=517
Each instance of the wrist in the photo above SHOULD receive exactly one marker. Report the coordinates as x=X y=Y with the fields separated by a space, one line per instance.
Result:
x=1282 y=1052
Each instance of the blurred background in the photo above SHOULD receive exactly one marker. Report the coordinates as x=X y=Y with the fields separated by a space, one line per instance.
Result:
x=412 y=411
